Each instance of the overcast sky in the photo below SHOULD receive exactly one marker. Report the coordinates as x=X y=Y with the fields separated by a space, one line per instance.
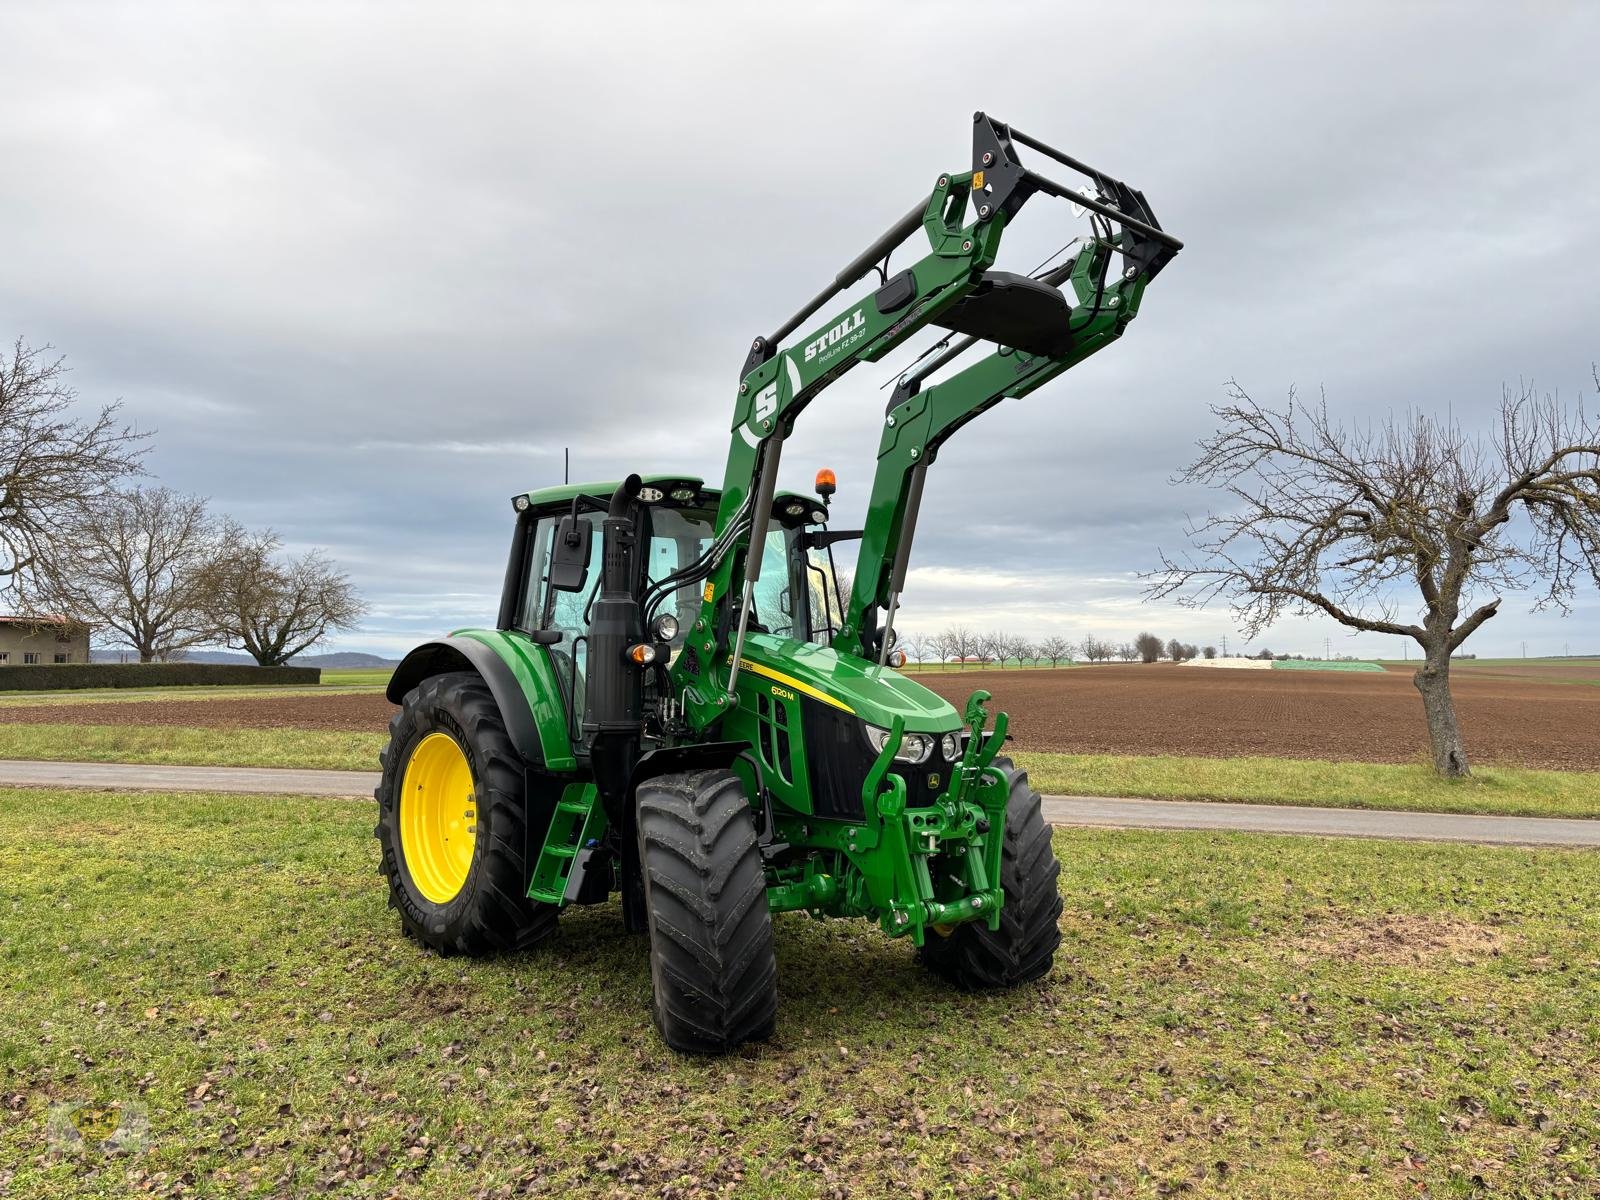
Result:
x=366 y=270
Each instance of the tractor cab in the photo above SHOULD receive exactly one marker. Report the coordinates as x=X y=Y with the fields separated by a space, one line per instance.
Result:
x=796 y=595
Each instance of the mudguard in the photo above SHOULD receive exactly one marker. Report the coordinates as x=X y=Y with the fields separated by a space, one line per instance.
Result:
x=669 y=759
x=521 y=678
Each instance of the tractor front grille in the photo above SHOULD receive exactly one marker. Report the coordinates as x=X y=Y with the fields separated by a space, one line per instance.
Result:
x=838 y=759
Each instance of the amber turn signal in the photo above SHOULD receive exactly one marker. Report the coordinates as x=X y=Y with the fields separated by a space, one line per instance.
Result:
x=641 y=655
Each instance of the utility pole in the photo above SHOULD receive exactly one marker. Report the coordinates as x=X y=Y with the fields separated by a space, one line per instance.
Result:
x=1224 y=645
x=1524 y=649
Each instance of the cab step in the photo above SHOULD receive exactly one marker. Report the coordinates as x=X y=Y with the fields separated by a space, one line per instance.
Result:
x=575 y=829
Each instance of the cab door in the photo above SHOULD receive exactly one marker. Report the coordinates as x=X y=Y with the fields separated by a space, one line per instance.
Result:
x=543 y=607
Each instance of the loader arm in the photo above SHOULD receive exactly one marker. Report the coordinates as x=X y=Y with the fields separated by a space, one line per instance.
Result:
x=919 y=420
x=952 y=286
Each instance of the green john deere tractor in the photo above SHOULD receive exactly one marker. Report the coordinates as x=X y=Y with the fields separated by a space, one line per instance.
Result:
x=677 y=704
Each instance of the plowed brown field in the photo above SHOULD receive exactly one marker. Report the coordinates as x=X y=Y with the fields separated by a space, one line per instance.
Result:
x=1157 y=709
x=1353 y=717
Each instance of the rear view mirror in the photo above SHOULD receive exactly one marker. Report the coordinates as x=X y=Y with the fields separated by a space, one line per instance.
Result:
x=569 y=555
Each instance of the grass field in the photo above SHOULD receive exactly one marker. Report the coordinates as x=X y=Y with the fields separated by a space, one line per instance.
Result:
x=1504 y=790
x=357 y=677
x=1230 y=1015
x=1576 y=670
x=346 y=682
x=1510 y=791
x=1317 y=664
x=329 y=750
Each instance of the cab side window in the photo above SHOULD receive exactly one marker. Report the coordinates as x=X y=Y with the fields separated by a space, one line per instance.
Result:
x=544 y=608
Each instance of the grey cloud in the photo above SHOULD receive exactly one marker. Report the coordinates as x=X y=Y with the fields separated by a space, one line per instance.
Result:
x=369 y=268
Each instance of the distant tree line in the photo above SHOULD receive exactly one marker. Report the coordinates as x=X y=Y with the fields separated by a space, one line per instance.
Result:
x=964 y=646
x=145 y=567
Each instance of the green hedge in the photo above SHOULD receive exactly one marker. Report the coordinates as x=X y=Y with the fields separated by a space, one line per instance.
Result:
x=43 y=677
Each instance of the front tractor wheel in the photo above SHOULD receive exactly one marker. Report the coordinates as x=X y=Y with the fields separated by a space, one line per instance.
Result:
x=452 y=822
x=711 y=960
x=974 y=957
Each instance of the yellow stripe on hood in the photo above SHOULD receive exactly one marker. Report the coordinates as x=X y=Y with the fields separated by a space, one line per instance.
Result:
x=792 y=682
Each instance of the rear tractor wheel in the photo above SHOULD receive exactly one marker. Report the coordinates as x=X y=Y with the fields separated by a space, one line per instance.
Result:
x=711 y=959
x=453 y=821
x=976 y=958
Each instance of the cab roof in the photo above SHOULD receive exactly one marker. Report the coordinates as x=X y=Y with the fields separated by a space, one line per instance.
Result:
x=671 y=487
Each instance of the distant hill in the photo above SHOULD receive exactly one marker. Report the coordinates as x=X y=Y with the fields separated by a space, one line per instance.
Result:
x=345 y=660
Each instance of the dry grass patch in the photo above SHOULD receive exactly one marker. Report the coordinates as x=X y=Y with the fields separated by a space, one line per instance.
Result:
x=1399 y=940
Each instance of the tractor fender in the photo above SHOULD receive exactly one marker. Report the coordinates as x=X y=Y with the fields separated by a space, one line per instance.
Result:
x=666 y=760
x=469 y=654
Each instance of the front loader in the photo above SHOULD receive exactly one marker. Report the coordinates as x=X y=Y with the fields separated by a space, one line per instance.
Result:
x=676 y=704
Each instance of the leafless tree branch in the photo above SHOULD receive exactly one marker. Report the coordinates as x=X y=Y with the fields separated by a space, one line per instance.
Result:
x=1343 y=522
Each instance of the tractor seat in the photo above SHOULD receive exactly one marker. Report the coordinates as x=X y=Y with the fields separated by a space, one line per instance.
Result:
x=1013 y=310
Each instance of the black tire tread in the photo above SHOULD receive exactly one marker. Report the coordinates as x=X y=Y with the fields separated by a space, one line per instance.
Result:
x=491 y=915
x=1022 y=950
x=711 y=955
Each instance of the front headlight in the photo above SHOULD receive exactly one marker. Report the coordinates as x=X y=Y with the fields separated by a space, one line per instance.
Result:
x=950 y=747
x=914 y=747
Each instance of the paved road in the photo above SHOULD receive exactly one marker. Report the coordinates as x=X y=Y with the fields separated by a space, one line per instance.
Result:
x=1061 y=810
x=270 y=780
x=1323 y=822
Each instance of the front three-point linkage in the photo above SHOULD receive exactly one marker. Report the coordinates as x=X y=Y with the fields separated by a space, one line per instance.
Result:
x=896 y=852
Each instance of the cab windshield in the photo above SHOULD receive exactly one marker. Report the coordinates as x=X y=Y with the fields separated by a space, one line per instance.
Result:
x=795 y=596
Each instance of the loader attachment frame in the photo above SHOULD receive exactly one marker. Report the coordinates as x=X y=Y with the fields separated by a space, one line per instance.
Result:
x=1038 y=334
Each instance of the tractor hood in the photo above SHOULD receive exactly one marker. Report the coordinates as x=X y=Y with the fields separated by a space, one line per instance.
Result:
x=875 y=694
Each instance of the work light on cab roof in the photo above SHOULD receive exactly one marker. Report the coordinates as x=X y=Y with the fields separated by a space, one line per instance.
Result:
x=677 y=703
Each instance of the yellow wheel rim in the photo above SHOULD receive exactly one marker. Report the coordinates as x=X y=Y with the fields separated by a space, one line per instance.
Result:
x=438 y=817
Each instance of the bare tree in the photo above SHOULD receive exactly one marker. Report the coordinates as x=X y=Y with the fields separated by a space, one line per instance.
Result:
x=1149 y=647
x=1127 y=652
x=916 y=645
x=989 y=646
x=1209 y=651
x=133 y=564
x=1347 y=522
x=1055 y=648
x=844 y=579
x=1022 y=650
x=1181 y=651
x=276 y=607
x=959 y=640
x=52 y=464
x=1096 y=650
